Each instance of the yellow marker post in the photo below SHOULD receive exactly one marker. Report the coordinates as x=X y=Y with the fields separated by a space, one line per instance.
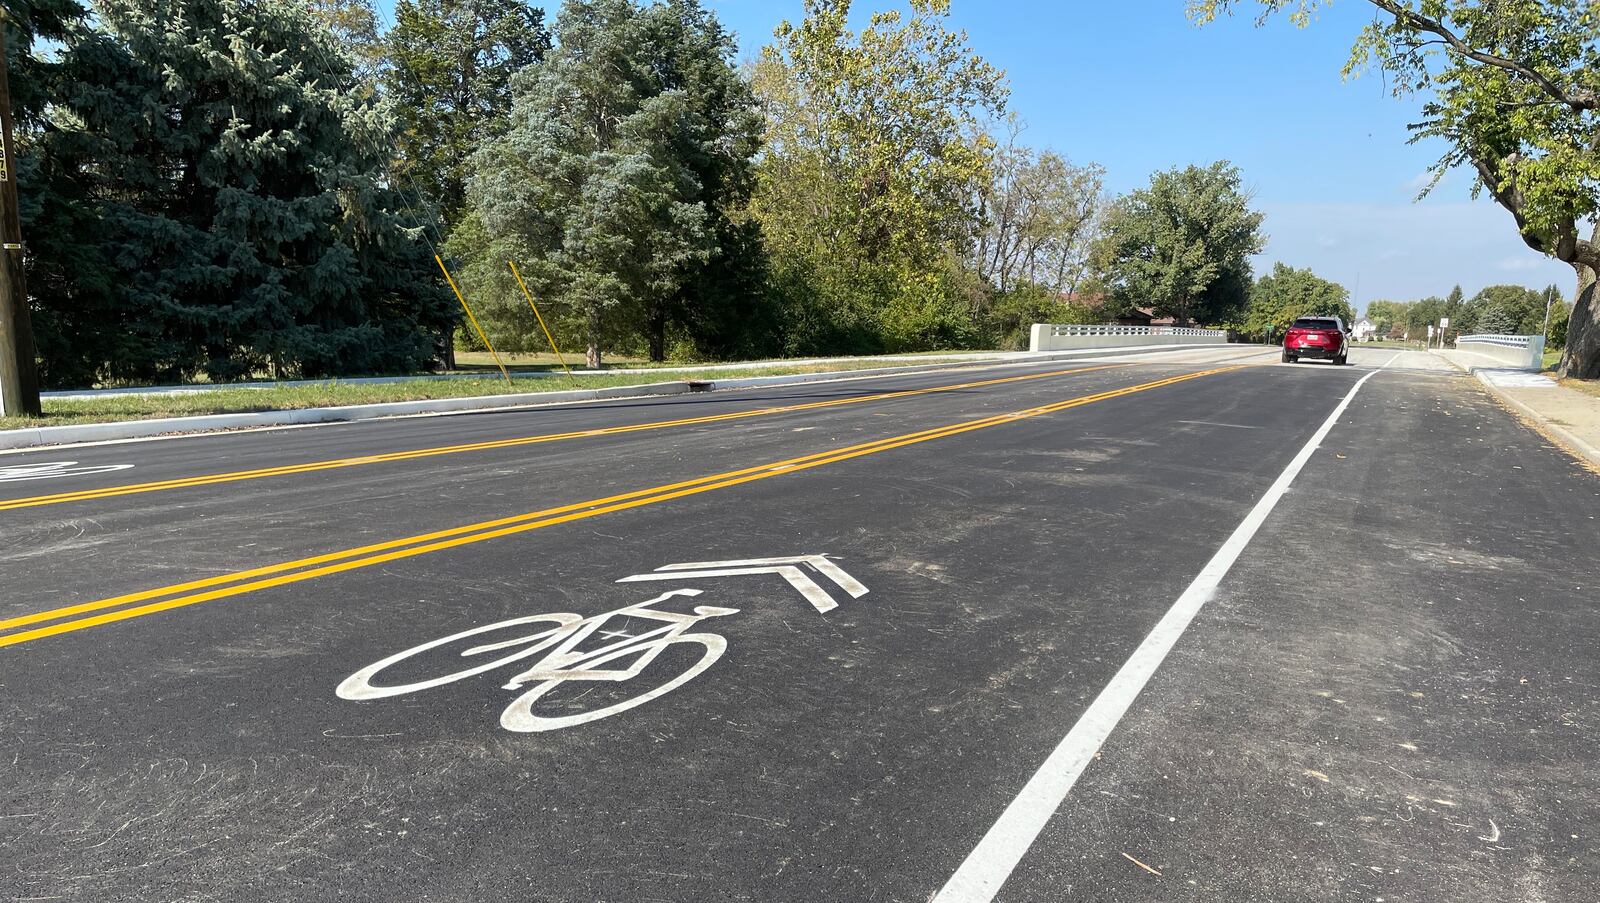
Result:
x=529 y=295
x=474 y=320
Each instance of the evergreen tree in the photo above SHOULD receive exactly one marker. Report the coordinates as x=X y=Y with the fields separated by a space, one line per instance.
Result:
x=1495 y=319
x=717 y=299
x=230 y=189
x=53 y=228
x=30 y=74
x=611 y=185
x=1460 y=312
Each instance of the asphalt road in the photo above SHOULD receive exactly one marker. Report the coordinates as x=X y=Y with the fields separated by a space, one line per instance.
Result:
x=219 y=675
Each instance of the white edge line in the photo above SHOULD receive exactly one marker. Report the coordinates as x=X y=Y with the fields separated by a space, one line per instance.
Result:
x=991 y=862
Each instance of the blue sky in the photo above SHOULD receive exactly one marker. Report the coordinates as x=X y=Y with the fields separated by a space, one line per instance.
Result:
x=1134 y=86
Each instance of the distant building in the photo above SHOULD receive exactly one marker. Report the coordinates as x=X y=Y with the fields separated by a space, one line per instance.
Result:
x=1097 y=305
x=1146 y=316
x=1364 y=330
x=1139 y=316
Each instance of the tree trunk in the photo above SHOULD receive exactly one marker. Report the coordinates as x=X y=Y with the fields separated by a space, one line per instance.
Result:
x=592 y=355
x=447 y=348
x=658 y=335
x=1582 y=357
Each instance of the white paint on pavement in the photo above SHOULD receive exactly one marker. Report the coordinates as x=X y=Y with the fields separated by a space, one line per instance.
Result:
x=788 y=568
x=564 y=638
x=51 y=470
x=987 y=867
x=564 y=660
x=1514 y=379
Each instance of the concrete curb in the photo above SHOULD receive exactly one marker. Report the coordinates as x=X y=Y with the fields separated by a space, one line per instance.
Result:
x=213 y=423
x=1553 y=431
x=216 y=423
x=676 y=371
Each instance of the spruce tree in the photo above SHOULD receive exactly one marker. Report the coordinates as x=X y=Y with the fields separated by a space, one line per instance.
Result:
x=242 y=214
x=74 y=320
x=626 y=148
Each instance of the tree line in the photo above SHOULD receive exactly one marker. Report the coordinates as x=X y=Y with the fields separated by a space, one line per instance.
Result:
x=1511 y=91
x=216 y=189
x=1495 y=310
x=219 y=190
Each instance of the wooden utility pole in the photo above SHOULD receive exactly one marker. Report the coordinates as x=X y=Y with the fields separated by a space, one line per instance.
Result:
x=19 y=375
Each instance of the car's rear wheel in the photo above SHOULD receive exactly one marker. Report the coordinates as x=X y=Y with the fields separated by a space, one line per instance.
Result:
x=1289 y=358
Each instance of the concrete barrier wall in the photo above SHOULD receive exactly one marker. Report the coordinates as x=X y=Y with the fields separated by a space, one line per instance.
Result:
x=1524 y=352
x=1065 y=337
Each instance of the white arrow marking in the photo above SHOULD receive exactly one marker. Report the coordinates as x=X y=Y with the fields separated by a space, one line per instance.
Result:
x=788 y=568
x=821 y=563
x=53 y=469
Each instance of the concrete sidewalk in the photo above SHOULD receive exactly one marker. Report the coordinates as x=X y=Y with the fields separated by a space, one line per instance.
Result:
x=1567 y=416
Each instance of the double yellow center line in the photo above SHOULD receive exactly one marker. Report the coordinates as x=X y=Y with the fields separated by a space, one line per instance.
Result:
x=133 y=605
x=333 y=464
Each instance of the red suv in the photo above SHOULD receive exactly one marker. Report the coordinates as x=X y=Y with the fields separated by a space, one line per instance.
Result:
x=1322 y=337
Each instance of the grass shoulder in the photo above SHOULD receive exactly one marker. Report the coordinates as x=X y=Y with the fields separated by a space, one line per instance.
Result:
x=113 y=408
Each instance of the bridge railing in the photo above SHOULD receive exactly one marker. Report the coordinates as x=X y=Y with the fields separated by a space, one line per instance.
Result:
x=1525 y=352
x=1064 y=336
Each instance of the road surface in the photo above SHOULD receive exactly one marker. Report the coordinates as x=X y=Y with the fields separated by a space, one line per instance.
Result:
x=1192 y=626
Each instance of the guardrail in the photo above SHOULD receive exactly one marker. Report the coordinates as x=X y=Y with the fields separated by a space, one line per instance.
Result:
x=1525 y=352
x=1064 y=336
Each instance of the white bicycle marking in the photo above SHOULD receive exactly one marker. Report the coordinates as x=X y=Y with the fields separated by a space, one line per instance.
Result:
x=563 y=661
x=53 y=470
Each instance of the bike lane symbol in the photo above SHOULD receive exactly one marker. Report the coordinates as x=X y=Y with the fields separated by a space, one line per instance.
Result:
x=576 y=648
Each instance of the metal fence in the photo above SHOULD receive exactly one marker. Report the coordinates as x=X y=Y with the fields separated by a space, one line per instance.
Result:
x=1063 y=336
x=1073 y=329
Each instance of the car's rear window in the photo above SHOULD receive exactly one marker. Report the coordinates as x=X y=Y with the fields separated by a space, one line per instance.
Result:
x=1315 y=323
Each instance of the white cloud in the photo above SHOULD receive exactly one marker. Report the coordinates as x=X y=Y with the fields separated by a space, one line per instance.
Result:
x=1404 y=251
x=1518 y=264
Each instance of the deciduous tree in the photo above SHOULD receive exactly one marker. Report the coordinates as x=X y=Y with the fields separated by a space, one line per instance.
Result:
x=1040 y=212
x=1512 y=87
x=1386 y=315
x=355 y=24
x=449 y=76
x=1287 y=293
x=1503 y=310
x=1183 y=244
x=867 y=190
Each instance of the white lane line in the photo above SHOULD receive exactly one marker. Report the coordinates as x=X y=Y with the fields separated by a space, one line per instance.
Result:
x=990 y=863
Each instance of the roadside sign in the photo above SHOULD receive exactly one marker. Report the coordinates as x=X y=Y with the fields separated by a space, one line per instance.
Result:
x=1430 y=330
x=1444 y=322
